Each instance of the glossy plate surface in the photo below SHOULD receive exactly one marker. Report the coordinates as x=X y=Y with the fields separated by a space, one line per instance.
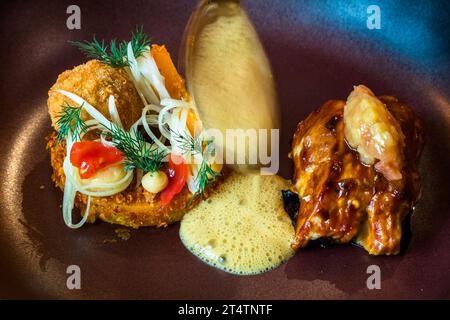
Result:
x=318 y=51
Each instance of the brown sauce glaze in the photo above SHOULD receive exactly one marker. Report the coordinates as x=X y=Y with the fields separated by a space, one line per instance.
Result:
x=341 y=198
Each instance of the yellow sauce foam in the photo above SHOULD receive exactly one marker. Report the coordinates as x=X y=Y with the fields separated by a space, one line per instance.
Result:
x=243 y=228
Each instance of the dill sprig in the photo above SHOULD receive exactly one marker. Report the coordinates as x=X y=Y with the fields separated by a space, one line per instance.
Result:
x=69 y=122
x=138 y=153
x=198 y=145
x=205 y=176
x=115 y=54
x=187 y=143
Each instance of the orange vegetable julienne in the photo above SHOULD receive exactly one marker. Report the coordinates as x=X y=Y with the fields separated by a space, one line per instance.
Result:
x=192 y=122
x=173 y=81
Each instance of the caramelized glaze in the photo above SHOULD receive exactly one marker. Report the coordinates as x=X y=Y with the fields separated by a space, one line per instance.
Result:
x=343 y=199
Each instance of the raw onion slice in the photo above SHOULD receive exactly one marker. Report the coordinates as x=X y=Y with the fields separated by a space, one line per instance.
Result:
x=94 y=113
x=113 y=111
x=150 y=71
x=147 y=129
x=70 y=192
x=139 y=81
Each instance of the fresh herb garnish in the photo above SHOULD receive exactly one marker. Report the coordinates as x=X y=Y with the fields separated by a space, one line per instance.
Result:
x=69 y=122
x=198 y=145
x=138 y=153
x=187 y=143
x=116 y=54
x=205 y=174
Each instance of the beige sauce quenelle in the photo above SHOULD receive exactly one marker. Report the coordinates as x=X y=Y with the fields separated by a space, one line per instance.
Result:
x=242 y=229
x=228 y=73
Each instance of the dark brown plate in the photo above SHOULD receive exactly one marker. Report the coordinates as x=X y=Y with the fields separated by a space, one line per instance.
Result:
x=319 y=50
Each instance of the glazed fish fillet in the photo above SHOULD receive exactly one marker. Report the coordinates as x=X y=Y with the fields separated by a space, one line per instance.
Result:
x=359 y=190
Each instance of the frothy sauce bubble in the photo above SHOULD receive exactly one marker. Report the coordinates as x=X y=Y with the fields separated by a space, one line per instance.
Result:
x=242 y=228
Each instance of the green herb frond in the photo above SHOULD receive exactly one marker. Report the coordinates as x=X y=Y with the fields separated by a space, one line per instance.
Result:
x=115 y=54
x=69 y=122
x=197 y=145
x=187 y=143
x=205 y=176
x=138 y=153
x=139 y=41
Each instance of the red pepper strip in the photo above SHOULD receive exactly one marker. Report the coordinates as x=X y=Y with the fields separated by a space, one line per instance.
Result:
x=178 y=174
x=91 y=156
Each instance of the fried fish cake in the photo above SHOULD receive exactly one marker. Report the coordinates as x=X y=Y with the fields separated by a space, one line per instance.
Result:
x=134 y=207
x=95 y=82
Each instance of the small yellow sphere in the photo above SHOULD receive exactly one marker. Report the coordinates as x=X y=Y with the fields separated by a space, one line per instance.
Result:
x=155 y=182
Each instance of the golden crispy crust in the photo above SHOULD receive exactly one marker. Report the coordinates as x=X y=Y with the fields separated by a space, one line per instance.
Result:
x=134 y=207
x=95 y=82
